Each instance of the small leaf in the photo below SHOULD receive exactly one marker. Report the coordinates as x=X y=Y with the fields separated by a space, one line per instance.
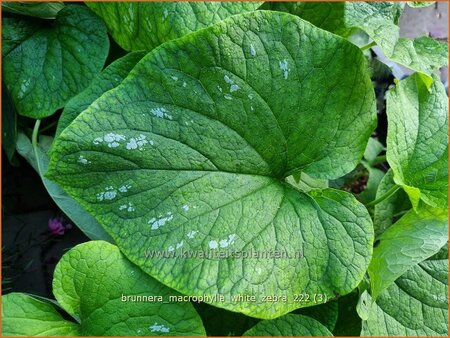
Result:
x=289 y=325
x=379 y=21
x=414 y=238
x=415 y=305
x=306 y=183
x=373 y=149
x=146 y=25
x=386 y=212
x=364 y=305
x=375 y=177
x=109 y=78
x=417 y=142
x=24 y=315
x=44 y=10
x=420 y=4
x=38 y=158
x=45 y=64
x=190 y=153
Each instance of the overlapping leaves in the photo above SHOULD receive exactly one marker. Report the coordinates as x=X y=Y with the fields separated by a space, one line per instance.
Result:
x=90 y=283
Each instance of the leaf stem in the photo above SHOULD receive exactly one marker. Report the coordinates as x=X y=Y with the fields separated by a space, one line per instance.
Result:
x=34 y=142
x=386 y=195
x=369 y=45
x=51 y=125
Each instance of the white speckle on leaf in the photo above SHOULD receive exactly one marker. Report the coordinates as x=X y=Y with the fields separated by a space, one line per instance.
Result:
x=23 y=88
x=174 y=78
x=251 y=108
x=165 y=14
x=252 y=50
x=185 y=207
x=113 y=140
x=159 y=328
x=180 y=244
x=98 y=140
x=170 y=248
x=157 y=223
x=161 y=113
x=250 y=96
x=228 y=97
x=228 y=80
x=83 y=160
x=109 y=194
x=258 y=270
x=213 y=245
x=184 y=84
x=219 y=88
x=137 y=143
x=228 y=241
x=128 y=207
x=191 y=234
x=284 y=68
x=234 y=88
x=124 y=188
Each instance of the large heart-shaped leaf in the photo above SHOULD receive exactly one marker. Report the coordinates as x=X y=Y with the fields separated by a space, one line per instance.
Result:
x=414 y=238
x=417 y=141
x=106 y=295
x=145 y=25
x=289 y=325
x=415 y=305
x=46 y=63
x=192 y=148
x=379 y=21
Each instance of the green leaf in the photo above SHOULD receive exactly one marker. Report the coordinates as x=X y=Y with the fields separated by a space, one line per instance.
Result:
x=145 y=25
x=289 y=325
x=109 y=78
x=38 y=158
x=386 y=212
x=24 y=315
x=44 y=10
x=373 y=149
x=415 y=305
x=189 y=154
x=379 y=21
x=375 y=177
x=95 y=283
x=417 y=142
x=107 y=295
x=9 y=125
x=306 y=183
x=45 y=64
x=414 y=238
x=420 y=4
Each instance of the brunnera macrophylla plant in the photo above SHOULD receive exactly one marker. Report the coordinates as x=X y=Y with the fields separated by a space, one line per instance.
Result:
x=220 y=135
